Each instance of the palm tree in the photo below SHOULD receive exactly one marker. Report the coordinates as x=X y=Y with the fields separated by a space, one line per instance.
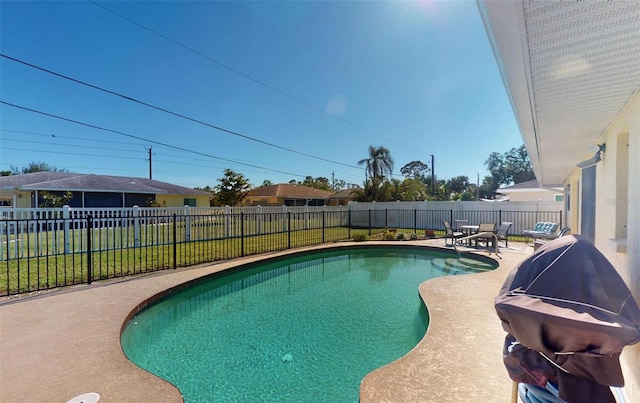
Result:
x=378 y=163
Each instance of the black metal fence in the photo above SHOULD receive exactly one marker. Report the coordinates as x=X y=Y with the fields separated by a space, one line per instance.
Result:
x=39 y=254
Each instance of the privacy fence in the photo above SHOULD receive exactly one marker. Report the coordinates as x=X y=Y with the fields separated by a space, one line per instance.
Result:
x=47 y=248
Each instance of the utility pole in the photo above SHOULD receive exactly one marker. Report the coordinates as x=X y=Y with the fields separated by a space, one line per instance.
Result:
x=333 y=181
x=478 y=187
x=433 y=183
x=150 y=164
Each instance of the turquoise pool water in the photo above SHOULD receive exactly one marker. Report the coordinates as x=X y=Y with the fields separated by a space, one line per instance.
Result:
x=306 y=328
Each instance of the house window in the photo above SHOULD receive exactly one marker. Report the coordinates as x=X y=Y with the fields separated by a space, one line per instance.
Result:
x=558 y=197
x=189 y=202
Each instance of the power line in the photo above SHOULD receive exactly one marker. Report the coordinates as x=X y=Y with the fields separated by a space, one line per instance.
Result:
x=174 y=113
x=69 y=153
x=73 y=145
x=142 y=138
x=57 y=136
x=248 y=77
x=181 y=162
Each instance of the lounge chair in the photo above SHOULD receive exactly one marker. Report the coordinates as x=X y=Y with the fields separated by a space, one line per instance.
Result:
x=450 y=233
x=503 y=232
x=486 y=228
x=542 y=230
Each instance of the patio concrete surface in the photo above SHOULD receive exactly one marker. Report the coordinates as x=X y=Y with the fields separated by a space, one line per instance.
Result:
x=63 y=343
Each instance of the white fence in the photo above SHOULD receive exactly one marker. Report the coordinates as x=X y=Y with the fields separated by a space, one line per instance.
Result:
x=16 y=222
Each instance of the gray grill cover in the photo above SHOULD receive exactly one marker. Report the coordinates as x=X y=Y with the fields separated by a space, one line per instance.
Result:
x=569 y=303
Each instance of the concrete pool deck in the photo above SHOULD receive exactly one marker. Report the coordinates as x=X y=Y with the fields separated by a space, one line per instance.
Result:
x=66 y=342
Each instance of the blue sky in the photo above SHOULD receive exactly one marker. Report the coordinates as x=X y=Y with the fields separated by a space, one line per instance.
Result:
x=305 y=86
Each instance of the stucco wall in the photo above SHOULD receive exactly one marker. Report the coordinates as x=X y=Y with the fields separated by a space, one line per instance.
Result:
x=17 y=199
x=617 y=206
x=178 y=200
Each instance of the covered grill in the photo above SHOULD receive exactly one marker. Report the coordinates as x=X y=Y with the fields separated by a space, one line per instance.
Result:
x=568 y=315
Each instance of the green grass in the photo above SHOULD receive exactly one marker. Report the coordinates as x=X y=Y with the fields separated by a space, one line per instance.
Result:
x=31 y=272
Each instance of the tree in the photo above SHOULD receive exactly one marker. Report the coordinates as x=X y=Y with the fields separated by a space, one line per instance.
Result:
x=458 y=184
x=36 y=167
x=519 y=165
x=378 y=163
x=373 y=190
x=415 y=169
x=513 y=166
x=414 y=189
x=48 y=199
x=232 y=188
x=488 y=188
x=320 y=182
x=266 y=183
x=338 y=185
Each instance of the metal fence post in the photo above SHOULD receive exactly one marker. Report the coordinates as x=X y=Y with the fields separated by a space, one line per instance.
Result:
x=136 y=226
x=175 y=242
x=187 y=223
x=349 y=224
x=66 y=233
x=288 y=229
x=89 y=247
x=415 y=220
x=242 y=233
x=369 y=222
x=323 y=223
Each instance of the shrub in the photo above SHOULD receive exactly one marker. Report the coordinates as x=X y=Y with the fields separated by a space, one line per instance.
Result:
x=413 y=236
x=359 y=237
x=400 y=236
x=389 y=236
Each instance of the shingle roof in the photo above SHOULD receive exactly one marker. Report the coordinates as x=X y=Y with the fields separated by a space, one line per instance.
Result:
x=343 y=194
x=288 y=190
x=63 y=181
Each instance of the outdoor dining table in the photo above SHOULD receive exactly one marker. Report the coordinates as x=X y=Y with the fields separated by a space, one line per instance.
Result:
x=468 y=230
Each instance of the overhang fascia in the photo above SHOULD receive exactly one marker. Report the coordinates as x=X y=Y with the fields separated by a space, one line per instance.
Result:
x=505 y=26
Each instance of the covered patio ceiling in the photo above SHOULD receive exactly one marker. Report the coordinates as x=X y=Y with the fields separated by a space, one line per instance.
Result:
x=569 y=68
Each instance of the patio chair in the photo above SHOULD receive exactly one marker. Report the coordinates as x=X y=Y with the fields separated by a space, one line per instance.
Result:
x=450 y=233
x=486 y=227
x=460 y=223
x=503 y=232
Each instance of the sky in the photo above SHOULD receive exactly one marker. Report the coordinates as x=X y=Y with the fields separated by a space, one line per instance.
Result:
x=273 y=90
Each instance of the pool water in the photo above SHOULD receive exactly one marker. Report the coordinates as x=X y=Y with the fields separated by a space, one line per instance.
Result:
x=307 y=328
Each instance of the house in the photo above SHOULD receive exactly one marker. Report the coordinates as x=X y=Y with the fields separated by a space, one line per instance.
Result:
x=286 y=194
x=532 y=191
x=341 y=198
x=572 y=73
x=88 y=190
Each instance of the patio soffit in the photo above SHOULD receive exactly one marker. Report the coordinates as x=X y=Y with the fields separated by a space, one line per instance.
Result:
x=569 y=68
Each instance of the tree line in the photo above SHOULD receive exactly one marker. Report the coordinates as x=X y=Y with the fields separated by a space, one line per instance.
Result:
x=419 y=182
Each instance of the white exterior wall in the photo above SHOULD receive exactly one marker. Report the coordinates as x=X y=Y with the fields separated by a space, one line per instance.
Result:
x=617 y=233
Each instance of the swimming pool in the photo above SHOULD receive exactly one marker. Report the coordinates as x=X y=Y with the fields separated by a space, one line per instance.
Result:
x=303 y=328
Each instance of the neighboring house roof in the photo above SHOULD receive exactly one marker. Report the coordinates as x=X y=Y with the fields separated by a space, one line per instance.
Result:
x=343 y=194
x=286 y=190
x=65 y=181
x=528 y=186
